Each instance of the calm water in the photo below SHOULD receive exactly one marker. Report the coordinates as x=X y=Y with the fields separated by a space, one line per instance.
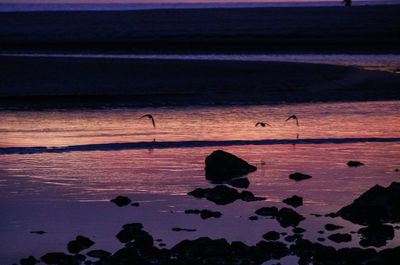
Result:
x=66 y=194
x=380 y=62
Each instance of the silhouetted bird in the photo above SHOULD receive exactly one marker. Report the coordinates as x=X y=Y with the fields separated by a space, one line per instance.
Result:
x=293 y=117
x=150 y=117
x=262 y=124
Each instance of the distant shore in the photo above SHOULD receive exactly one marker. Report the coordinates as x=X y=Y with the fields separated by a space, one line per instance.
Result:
x=89 y=82
x=358 y=29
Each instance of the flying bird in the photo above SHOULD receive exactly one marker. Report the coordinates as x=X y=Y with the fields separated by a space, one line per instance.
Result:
x=295 y=118
x=262 y=124
x=150 y=117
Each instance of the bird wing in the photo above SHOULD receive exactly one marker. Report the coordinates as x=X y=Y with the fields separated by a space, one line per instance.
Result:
x=146 y=115
x=297 y=122
x=291 y=117
x=154 y=124
x=258 y=123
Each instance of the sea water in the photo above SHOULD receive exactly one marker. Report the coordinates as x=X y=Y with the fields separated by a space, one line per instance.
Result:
x=87 y=157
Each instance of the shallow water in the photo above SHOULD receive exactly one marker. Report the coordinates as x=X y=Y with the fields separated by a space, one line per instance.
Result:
x=379 y=62
x=66 y=194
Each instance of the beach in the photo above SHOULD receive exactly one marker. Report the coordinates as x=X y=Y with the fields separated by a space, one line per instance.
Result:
x=241 y=136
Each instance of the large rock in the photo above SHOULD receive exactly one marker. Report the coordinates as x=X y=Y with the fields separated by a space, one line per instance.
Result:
x=376 y=205
x=287 y=217
x=79 y=244
x=222 y=166
x=294 y=201
x=220 y=194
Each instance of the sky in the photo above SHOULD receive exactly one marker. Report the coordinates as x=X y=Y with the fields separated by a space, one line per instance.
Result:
x=155 y=1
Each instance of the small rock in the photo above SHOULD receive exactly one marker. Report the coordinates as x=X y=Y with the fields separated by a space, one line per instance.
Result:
x=38 y=232
x=79 y=244
x=339 y=238
x=376 y=235
x=221 y=165
x=177 y=229
x=272 y=235
x=98 y=253
x=332 y=215
x=354 y=164
x=253 y=218
x=299 y=176
x=298 y=230
x=135 y=204
x=321 y=239
x=332 y=227
x=267 y=211
x=287 y=217
x=396 y=170
x=192 y=211
x=205 y=214
x=29 y=261
x=293 y=237
x=220 y=194
x=240 y=183
x=59 y=258
x=121 y=201
x=248 y=196
x=321 y=232
x=162 y=244
x=294 y=201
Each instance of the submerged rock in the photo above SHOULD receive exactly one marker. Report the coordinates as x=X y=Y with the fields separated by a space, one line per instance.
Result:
x=339 y=238
x=60 y=258
x=294 y=201
x=376 y=205
x=221 y=165
x=121 y=201
x=79 y=244
x=38 y=232
x=332 y=227
x=299 y=176
x=354 y=164
x=287 y=217
x=98 y=253
x=298 y=230
x=376 y=235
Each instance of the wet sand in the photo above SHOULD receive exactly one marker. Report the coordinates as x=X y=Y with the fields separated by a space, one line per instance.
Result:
x=52 y=82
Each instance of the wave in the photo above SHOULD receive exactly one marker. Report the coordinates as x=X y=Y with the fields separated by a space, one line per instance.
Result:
x=185 y=144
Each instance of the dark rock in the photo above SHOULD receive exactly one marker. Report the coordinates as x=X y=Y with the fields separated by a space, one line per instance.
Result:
x=339 y=238
x=29 y=261
x=316 y=214
x=202 y=248
x=192 y=211
x=354 y=164
x=38 y=232
x=135 y=204
x=293 y=238
x=332 y=215
x=298 y=230
x=220 y=194
x=272 y=250
x=79 y=244
x=321 y=239
x=177 y=229
x=294 y=201
x=221 y=165
x=267 y=211
x=162 y=244
x=240 y=183
x=287 y=217
x=376 y=205
x=98 y=253
x=272 y=235
x=332 y=227
x=205 y=214
x=253 y=218
x=121 y=201
x=298 y=176
x=134 y=231
x=396 y=170
x=376 y=235
x=321 y=232
x=59 y=258
x=248 y=196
